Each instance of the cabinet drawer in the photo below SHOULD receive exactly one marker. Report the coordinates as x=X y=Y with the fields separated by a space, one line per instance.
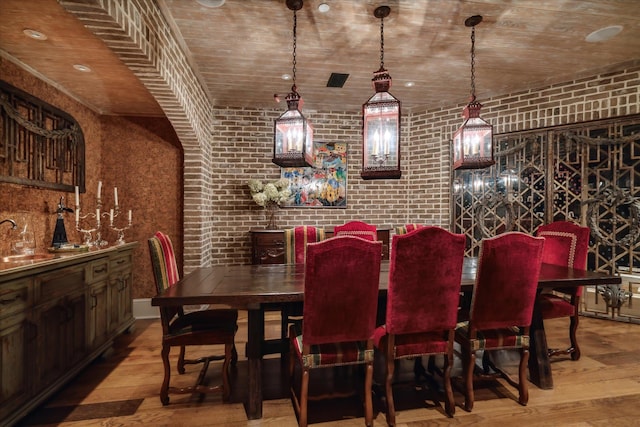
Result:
x=59 y=283
x=267 y=247
x=269 y=239
x=120 y=261
x=15 y=297
x=97 y=270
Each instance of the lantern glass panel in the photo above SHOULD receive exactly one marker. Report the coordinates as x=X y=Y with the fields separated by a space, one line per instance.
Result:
x=293 y=140
x=381 y=133
x=472 y=145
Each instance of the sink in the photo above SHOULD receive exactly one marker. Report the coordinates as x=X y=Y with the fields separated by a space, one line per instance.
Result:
x=26 y=258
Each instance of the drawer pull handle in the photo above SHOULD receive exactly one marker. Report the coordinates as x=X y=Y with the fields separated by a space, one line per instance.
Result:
x=120 y=261
x=6 y=301
x=100 y=270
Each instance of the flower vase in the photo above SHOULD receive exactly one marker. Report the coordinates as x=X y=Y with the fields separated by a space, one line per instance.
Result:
x=271 y=216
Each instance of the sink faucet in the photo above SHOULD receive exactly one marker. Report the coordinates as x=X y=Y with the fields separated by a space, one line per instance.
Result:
x=13 y=223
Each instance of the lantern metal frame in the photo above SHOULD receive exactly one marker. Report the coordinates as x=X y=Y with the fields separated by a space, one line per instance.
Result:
x=292 y=131
x=473 y=141
x=381 y=121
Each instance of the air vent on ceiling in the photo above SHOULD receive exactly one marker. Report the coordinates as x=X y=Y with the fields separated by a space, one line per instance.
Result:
x=337 y=79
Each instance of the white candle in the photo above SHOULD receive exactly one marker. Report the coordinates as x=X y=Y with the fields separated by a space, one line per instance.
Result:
x=99 y=188
x=129 y=215
x=98 y=216
x=111 y=216
x=115 y=195
x=77 y=214
x=77 y=196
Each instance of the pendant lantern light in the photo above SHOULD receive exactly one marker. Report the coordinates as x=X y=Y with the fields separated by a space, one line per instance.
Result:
x=293 y=133
x=381 y=121
x=473 y=141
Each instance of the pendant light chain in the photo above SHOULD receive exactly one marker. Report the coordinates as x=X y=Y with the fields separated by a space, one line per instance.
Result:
x=382 y=42
x=473 y=63
x=295 y=26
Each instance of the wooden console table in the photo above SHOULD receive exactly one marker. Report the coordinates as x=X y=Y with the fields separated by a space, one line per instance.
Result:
x=267 y=246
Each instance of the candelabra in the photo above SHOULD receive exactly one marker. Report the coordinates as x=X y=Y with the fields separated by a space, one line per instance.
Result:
x=114 y=213
x=88 y=232
x=380 y=159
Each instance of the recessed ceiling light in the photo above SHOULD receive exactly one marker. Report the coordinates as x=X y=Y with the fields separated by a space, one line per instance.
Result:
x=36 y=35
x=409 y=84
x=286 y=77
x=211 y=3
x=82 y=68
x=324 y=8
x=604 y=34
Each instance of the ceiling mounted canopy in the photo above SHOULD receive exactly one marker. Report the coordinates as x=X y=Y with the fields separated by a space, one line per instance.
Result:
x=293 y=133
x=381 y=121
x=473 y=141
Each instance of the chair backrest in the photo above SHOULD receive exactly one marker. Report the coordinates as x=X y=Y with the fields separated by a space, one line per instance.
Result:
x=425 y=269
x=296 y=240
x=342 y=276
x=407 y=228
x=163 y=261
x=565 y=244
x=165 y=272
x=506 y=281
x=358 y=229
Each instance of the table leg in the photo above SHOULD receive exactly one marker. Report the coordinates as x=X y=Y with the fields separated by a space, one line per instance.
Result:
x=255 y=336
x=539 y=364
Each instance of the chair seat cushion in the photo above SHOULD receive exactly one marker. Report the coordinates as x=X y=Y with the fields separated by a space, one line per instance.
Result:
x=332 y=354
x=222 y=320
x=552 y=306
x=409 y=345
x=492 y=338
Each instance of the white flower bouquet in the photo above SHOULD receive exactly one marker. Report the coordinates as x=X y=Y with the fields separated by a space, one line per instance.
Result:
x=272 y=193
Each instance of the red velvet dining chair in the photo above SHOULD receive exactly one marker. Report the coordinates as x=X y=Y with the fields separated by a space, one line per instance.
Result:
x=425 y=270
x=196 y=328
x=340 y=301
x=358 y=229
x=407 y=228
x=501 y=307
x=295 y=252
x=566 y=244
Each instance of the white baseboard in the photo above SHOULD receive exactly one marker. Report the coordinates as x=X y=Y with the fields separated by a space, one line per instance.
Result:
x=142 y=309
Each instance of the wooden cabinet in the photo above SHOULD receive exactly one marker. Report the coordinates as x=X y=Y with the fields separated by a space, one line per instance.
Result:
x=267 y=246
x=55 y=318
x=16 y=337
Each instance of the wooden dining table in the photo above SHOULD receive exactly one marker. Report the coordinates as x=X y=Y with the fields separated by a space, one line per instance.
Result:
x=251 y=287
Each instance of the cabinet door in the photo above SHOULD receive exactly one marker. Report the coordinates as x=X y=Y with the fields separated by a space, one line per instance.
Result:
x=121 y=304
x=97 y=315
x=60 y=318
x=50 y=319
x=15 y=369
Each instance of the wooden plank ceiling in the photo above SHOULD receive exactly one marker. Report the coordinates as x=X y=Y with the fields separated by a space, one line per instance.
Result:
x=241 y=49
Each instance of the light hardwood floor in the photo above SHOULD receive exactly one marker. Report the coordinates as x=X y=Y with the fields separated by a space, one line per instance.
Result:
x=601 y=389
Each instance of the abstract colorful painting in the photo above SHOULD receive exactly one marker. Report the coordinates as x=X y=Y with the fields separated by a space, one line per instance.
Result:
x=322 y=186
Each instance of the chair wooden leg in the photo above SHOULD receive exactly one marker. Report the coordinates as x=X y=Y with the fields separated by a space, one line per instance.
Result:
x=390 y=367
x=449 y=404
x=522 y=377
x=234 y=354
x=226 y=384
x=304 y=397
x=164 y=390
x=468 y=362
x=181 y=360
x=368 y=400
x=573 y=328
